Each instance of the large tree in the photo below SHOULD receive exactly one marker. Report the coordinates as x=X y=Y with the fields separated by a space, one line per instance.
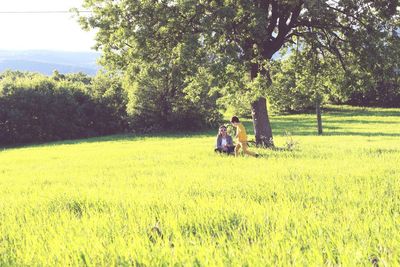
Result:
x=239 y=33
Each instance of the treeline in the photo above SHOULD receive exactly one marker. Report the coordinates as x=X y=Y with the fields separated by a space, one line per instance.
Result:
x=303 y=78
x=38 y=108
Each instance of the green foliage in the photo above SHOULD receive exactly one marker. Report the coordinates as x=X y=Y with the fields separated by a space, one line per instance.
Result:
x=107 y=90
x=305 y=74
x=237 y=90
x=303 y=79
x=362 y=36
x=35 y=108
x=157 y=101
x=168 y=200
x=373 y=80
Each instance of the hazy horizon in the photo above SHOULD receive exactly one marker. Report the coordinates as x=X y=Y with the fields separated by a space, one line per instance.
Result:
x=46 y=61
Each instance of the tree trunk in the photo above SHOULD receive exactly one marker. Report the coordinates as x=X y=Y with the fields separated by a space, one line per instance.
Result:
x=319 y=119
x=262 y=126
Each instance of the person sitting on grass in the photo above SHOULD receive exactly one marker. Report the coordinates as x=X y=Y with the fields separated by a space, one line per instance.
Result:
x=241 y=137
x=224 y=142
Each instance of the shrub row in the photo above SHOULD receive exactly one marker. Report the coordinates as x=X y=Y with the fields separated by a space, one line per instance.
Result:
x=35 y=108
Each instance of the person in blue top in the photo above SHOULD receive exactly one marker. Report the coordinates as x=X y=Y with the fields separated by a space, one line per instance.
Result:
x=224 y=143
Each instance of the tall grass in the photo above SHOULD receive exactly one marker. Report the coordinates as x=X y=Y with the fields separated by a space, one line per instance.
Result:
x=169 y=200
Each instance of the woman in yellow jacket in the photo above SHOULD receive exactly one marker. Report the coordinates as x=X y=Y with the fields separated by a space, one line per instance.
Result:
x=241 y=137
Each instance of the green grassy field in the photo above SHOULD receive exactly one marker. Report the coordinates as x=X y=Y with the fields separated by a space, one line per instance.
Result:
x=169 y=200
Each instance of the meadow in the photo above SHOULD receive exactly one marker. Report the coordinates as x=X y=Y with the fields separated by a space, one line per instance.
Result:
x=160 y=200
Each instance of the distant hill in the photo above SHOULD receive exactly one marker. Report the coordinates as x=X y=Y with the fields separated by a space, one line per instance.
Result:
x=46 y=62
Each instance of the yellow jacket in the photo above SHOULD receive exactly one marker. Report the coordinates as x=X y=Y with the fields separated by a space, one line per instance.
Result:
x=241 y=133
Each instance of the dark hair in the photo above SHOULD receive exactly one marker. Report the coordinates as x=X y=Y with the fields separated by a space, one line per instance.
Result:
x=219 y=129
x=235 y=119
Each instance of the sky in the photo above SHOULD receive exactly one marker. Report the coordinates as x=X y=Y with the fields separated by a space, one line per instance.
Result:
x=42 y=31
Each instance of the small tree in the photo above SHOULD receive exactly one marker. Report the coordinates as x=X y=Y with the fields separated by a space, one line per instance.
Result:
x=304 y=80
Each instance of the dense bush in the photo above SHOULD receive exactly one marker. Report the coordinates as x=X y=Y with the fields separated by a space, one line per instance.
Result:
x=382 y=94
x=35 y=108
x=158 y=101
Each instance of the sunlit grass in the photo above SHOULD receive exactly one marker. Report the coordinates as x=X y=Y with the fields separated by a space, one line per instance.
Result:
x=163 y=200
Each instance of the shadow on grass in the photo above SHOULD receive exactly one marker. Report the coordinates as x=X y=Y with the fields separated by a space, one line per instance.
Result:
x=335 y=121
x=344 y=133
x=348 y=111
x=330 y=127
x=112 y=138
x=330 y=121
